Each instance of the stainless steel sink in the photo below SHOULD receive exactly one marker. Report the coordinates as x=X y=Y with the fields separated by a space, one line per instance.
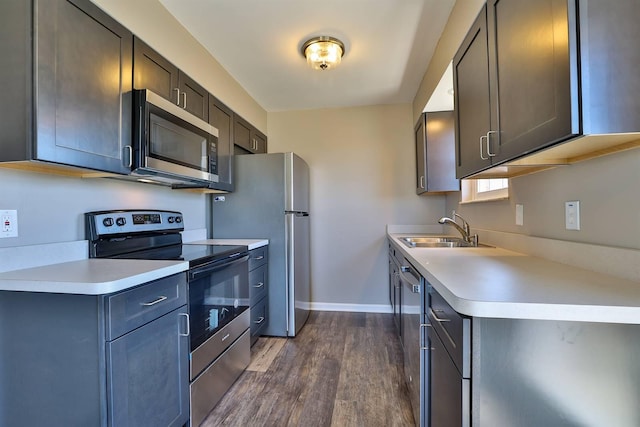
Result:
x=436 y=242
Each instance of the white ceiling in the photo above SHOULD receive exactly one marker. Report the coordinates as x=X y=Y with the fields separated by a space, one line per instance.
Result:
x=388 y=47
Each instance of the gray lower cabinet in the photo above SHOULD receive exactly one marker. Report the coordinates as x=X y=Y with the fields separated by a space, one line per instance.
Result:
x=106 y=360
x=258 y=291
x=66 y=76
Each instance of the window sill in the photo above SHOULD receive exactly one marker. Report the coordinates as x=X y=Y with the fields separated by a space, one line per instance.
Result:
x=497 y=199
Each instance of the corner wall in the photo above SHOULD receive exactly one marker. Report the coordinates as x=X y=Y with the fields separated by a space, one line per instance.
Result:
x=362 y=166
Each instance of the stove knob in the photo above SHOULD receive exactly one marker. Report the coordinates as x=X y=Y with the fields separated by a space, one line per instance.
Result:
x=121 y=221
x=107 y=222
x=171 y=220
x=178 y=219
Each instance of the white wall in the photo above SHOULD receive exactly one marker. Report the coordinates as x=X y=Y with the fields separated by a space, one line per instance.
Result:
x=150 y=21
x=362 y=166
x=607 y=188
x=50 y=207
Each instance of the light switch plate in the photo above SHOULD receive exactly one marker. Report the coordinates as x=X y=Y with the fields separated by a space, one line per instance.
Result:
x=572 y=215
x=519 y=214
x=8 y=223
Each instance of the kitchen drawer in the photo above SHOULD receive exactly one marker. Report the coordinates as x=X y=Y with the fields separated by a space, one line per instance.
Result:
x=257 y=284
x=259 y=318
x=454 y=330
x=258 y=257
x=133 y=308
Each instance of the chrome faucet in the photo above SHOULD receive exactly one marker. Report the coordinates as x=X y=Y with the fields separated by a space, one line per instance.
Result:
x=465 y=230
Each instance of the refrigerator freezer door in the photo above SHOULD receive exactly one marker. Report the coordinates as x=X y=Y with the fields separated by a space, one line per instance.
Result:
x=296 y=184
x=298 y=271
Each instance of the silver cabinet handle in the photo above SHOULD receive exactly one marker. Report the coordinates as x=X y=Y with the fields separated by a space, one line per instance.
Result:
x=129 y=157
x=481 y=152
x=184 y=97
x=260 y=320
x=439 y=320
x=489 y=153
x=422 y=181
x=225 y=337
x=177 y=96
x=423 y=335
x=188 y=325
x=259 y=257
x=259 y=285
x=154 y=302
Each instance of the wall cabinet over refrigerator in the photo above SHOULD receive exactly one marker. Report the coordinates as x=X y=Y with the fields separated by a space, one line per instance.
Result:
x=435 y=153
x=66 y=82
x=531 y=75
x=248 y=139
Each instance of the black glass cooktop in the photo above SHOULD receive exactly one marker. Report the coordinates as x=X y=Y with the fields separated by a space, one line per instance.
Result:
x=195 y=254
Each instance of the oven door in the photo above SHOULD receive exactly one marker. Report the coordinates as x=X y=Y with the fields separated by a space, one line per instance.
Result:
x=218 y=293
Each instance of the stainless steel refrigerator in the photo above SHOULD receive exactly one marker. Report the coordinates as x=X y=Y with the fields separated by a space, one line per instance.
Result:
x=271 y=200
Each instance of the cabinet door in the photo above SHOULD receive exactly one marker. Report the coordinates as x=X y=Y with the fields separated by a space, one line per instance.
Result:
x=242 y=133
x=83 y=86
x=420 y=139
x=533 y=65
x=221 y=117
x=148 y=374
x=152 y=71
x=193 y=97
x=472 y=99
x=440 y=152
x=258 y=141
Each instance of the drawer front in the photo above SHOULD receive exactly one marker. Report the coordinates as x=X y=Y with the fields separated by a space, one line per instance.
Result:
x=259 y=318
x=258 y=257
x=213 y=383
x=452 y=327
x=133 y=308
x=257 y=284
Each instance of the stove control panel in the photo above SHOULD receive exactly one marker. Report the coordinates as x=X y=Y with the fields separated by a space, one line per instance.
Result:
x=104 y=223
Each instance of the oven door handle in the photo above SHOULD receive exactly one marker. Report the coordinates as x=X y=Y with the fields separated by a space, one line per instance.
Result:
x=213 y=268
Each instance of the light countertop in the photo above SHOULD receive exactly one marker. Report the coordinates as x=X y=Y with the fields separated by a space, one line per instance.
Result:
x=494 y=282
x=90 y=276
x=250 y=243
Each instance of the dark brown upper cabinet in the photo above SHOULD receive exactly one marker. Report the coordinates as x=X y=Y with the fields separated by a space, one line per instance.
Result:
x=66 y=77
x=435 y=153
x=154 y=72
x=222 y=118
x=248 y=139
x=532 y=75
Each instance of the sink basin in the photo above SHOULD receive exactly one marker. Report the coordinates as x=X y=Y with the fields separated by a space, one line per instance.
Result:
x=436 y=242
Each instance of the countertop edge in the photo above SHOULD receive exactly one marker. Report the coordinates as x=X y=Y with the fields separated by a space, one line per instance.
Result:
x=250 y=243
x=26 y=284
x=521 y=310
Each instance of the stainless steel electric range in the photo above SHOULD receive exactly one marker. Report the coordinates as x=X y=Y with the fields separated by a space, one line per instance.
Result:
x=218 y=293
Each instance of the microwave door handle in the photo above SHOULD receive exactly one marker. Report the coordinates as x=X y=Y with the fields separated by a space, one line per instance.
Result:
x=212 y=268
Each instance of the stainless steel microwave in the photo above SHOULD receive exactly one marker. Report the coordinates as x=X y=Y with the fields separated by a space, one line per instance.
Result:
x=170 y=145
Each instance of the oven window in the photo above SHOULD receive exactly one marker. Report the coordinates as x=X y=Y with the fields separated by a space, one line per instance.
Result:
x=217 y=299
x=176 y=144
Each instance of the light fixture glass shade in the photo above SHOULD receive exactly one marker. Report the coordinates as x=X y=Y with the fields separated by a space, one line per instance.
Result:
x=323 y=53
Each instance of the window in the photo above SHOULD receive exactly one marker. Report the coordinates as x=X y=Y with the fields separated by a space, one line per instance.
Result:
x=474 y=190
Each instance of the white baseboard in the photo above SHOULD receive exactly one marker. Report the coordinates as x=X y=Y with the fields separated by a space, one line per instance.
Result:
x=359 y=308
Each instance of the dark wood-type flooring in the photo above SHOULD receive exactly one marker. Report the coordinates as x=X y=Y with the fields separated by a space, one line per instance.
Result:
x=343 y=369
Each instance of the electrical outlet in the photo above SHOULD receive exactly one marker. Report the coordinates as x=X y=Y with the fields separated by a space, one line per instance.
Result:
x=572 y=215
x=8 y=223
x=519 y=214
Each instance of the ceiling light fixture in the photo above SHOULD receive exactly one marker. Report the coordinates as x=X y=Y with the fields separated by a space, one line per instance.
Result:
x=323 y=53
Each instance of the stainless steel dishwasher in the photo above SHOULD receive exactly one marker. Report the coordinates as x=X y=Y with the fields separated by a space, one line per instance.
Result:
x=413 y=338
